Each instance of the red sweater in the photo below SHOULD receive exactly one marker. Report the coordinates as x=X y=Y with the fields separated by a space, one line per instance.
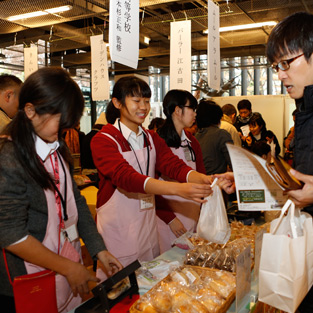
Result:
x=163 y=210
x=114 y=171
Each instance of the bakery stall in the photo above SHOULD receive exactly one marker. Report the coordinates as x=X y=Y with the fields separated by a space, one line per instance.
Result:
x=193 y=276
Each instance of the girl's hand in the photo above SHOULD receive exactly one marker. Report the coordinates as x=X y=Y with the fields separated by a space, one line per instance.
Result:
x=302 y=197
x=192 y=191
x=110 y=264
x=177 y=227
x=226 y=181
x=78 y=277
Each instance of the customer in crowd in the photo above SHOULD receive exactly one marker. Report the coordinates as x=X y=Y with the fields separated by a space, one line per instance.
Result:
x=212 y=139
x=156 y=123
x=290 y=50
x=258 y=132
x=175 y=214
x=88 y=167
x=289 y=142
x=227 y=123
x=10 y=86
x=242 y=120
x=127 y=156
x=73 y=137
x=39 y=199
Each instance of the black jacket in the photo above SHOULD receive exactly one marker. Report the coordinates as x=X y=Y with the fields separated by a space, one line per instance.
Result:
x=303 y=151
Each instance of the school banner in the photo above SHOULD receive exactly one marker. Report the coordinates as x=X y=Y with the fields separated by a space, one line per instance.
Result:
x=100 y=88
x=124 y=32
x=30 y=60
x=180 y=57
x=214 y=68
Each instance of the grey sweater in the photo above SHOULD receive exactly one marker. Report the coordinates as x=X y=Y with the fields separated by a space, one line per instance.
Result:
x=24 y=211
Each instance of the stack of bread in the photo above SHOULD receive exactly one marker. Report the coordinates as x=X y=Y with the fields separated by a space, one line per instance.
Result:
x=217 y=256
x=189 y=290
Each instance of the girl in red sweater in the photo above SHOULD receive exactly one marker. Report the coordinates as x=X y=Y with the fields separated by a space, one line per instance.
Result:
x=127 y=156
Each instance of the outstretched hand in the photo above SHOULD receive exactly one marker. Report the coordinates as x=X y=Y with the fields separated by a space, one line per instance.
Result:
x=226 y=181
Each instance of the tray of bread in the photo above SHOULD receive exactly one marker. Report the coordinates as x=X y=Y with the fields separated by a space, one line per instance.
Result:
x=189 y=289
x=218 y=256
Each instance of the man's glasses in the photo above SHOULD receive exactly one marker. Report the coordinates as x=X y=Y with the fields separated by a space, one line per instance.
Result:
x=284 y=65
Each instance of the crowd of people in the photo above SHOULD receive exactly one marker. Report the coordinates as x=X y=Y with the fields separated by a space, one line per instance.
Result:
x=151 y=182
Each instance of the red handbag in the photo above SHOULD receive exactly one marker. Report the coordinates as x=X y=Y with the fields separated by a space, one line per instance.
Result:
x=34 y=293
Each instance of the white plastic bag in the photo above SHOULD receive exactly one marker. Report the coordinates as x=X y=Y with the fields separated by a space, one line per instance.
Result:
x=213 y=223
x=285 y=273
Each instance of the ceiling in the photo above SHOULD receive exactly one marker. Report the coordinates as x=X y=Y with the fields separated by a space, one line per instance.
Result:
x=65 y=36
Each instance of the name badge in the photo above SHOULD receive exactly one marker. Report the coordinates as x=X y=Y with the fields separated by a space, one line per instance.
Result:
x=146 y=201
x=187 y=154
x=70 y=230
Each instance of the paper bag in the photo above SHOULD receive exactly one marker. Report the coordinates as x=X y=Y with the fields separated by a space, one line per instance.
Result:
x=285 y=274
x=213 y=223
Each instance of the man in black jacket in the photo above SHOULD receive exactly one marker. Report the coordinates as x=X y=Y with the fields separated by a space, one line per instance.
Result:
x=290 y=50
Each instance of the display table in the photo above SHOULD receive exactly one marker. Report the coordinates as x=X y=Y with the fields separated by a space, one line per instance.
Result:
x=177 y=254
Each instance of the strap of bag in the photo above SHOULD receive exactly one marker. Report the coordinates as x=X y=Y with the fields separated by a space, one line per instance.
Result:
x=6 y=266
x=286 y=206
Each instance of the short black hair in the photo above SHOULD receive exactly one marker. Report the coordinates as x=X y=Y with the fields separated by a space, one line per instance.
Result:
x=292 y=35
x=208 y=113
x=244 y=104
x=8 y=80
x=257 y=119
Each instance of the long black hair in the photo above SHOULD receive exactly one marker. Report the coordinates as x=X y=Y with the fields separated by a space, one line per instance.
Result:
x=172 y=99
x=50 y=90
x=126 y=86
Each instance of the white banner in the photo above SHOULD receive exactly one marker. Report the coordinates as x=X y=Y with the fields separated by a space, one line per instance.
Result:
x=124 y=32
x=180 y=57
x=214 y=68
x=100 y=88
x=30 y=60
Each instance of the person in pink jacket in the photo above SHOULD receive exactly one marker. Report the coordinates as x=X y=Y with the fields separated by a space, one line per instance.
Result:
x=177 y=215
x=127 y=156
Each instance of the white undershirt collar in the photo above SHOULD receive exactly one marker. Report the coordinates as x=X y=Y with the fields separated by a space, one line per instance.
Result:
x=43 y=148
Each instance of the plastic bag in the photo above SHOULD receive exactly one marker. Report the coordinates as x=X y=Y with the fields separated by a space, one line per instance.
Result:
x=213 y=223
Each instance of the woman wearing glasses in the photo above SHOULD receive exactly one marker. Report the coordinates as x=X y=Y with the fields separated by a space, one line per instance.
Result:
x=177 y=215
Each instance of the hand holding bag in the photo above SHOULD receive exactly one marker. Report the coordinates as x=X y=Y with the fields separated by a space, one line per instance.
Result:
x=285 y=274
x=213 y=223
x=34 y=293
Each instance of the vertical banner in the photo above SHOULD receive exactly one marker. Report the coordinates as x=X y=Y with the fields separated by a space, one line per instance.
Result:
x=124 y=32
x=214 y=63
x=100 y=88
x=180 y=57
x=30 y=60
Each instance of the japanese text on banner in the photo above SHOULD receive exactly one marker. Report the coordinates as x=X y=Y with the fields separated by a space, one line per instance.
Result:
x=124 y=32
x=30 y=60
x=214 y=68
x=180 y=58
x=99 y=69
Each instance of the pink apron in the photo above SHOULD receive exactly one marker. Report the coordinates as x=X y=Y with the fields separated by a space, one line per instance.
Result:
x=129 y=232
x=187 y=211
x=65 y=299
